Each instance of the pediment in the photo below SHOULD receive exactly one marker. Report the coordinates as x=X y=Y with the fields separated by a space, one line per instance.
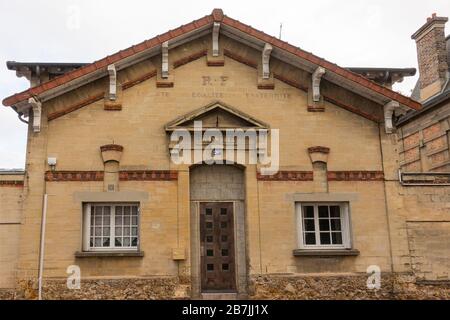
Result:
x=216 y=115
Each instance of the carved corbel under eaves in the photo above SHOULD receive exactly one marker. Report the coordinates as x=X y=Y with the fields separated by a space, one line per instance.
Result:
x=389 y=112
x=36 y=107
x=265 y=61
x=215 y=39
x=165 y=60
x=316 y=78
x=112 y=82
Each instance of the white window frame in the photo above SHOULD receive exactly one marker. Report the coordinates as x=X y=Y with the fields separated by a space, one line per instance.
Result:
x=87 y=227
x=345 y=225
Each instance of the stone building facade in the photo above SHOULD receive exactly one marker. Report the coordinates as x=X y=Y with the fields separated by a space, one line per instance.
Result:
x=102 y=195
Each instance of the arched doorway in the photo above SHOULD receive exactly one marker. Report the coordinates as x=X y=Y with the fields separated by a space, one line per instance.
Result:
x=218 y=258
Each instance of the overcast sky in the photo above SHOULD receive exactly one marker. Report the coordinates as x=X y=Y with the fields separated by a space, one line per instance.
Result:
x=356 y=33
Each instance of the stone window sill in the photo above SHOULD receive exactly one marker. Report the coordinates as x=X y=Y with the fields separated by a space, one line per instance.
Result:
x=113 y=254
x=325 y=253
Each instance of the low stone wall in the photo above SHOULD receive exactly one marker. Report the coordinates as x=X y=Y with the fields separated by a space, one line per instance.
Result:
x=107 y=289
x=348 y=287
x=278 y=287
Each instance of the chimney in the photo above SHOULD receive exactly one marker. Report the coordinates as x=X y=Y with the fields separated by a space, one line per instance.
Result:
x=432 y=56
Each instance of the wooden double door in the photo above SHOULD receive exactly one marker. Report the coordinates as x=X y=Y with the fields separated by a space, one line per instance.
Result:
x=218 y=271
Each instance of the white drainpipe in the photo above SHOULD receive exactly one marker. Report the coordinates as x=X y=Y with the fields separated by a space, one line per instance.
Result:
x=41 y=251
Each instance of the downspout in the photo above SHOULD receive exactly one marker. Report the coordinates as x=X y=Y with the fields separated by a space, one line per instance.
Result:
x=41 y=251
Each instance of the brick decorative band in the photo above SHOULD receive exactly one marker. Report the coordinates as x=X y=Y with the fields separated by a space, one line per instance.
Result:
x=266 y=86
x=56 y=176
x=319 y=149
x=239 y=58
x=316 y=109
x=162 y=175
x=79 y=105
x=190 y=58
x=215 y=63
x=332 y=176
x=138 y=80
x=355 y=175
x=287 y=176
x=136 y=175
x=11 y=183
x=111 y=147
x=109 y=106
x=290 y=82
x=161 y=84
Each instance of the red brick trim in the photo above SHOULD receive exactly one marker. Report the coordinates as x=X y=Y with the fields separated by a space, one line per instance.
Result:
x=111 y=147
x=190 y=58
x=215 y=63
x=270 y=86
x=138 y=80
x=57 y=176
x=239 y=58
x=161 y=84
x=109 y=106
x=351 y=109
x=319 y=149
x=332 y=176
x=11 y=183
x=355 y=175
x=287 y=176
x=136 y=175
x=79 y=105
x=316 y=109
x=153 y=175
x=290 y=82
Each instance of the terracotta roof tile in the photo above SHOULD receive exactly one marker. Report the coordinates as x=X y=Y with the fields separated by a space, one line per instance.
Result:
x=216 y=15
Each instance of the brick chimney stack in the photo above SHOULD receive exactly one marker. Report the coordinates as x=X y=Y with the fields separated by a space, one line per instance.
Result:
x=432 y=56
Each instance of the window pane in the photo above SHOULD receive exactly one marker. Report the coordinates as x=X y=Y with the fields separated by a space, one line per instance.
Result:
x=308 y=212
x=323 y=211
x=126 y=231
x=134 y=221
x=118 y=231
x=118 y=210
x=106 y=220
x=106 y=210
x=134 y=242
x=126 y=210
x=98 y=231
x=98 y=210
x=209 y=239
x=134 y=231
x=118 y=242
x=324 y=224
x=210 y=253
x=98 y=220
x=98 y=242
x=337 y=237
x=335 y=211
x=135 y=210
x=106 y=242
x=126 y=220
x=223 y=211
x=126 y=242
x=325 y=238
x=208 y=212
x=118 y=220
x=105 y=231
x=309 y=224
x=310 y=238
x=210 y=267
x=335 y=224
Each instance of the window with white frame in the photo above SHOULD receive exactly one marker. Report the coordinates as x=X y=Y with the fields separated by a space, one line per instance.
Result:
x=323 y=226
x=109 y=226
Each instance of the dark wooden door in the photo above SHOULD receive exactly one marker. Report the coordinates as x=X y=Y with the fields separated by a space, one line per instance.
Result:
x=217 y=246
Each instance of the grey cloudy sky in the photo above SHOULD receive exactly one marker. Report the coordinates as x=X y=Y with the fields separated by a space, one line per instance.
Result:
x=357 y=33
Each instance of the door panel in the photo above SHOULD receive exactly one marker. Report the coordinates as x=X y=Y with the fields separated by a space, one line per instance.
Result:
x=217 y=246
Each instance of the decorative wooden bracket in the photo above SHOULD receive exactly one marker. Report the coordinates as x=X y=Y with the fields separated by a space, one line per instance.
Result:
x=112 y=82
x=165 y=60
x=215 y=39
x=265 y=61
x=316 y=78
x=36 y=107
x=390 y=109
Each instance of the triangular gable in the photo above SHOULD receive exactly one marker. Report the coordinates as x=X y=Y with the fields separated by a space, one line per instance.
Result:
x=233 y=28
x=216 y=115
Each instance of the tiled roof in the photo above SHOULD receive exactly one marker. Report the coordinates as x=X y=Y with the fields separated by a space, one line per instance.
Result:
x=216 y=16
